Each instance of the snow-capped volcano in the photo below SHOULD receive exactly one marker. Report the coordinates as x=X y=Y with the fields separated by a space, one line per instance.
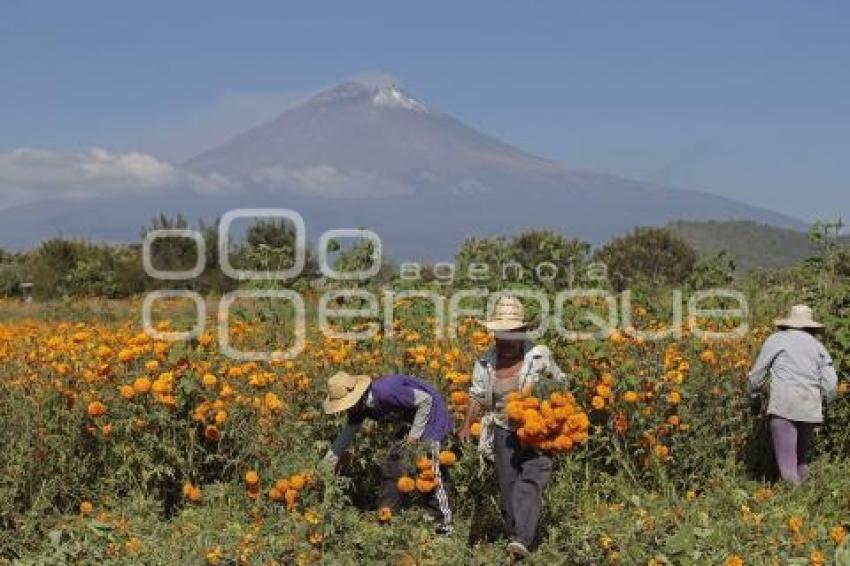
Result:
x=393 y=96
x=374 y=156
x=360 y=140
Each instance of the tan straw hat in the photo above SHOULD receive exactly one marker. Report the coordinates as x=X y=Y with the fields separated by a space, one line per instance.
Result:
x=344 y=391
x=508 y=314
x=799 y=317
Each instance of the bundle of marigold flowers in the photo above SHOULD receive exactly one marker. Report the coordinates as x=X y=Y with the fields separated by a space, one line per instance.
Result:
x=554 y=425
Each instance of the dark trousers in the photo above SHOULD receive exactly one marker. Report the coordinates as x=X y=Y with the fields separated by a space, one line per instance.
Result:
x=395 y=466
x=523 y=473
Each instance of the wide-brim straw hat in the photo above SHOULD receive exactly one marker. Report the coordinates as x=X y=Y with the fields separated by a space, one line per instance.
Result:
x=800 y=317
x=508 y=314
x=344 y=391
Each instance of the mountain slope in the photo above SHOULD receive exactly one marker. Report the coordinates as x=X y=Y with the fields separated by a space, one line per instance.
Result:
x=752 y=245
x=376 y=157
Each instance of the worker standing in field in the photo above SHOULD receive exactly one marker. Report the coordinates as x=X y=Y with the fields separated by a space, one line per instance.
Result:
x=802 y=380
x=512 y=364
x=405 y=398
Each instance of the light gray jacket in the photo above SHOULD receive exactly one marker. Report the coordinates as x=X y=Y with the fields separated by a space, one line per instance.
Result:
x=801 y=374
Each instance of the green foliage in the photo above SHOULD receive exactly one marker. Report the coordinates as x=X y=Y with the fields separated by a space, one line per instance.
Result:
x=532 y=258
x=11 y=277
x=655 y=255
x=714 y=270
x=75 y=268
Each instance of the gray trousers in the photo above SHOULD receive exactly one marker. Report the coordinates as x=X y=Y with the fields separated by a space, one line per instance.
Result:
x=523 y=473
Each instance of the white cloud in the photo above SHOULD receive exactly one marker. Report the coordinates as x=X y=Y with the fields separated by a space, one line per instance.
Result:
x=29 y=175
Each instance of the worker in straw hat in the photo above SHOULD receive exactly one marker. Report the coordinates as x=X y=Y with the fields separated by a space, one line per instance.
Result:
x=802 y=379
x=403 y=398
x=512 y=364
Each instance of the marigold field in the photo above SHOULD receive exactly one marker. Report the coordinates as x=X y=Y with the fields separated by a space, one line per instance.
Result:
x=119 y=449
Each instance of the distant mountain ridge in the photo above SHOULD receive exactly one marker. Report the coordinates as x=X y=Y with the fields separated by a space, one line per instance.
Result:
x=752 y=245
x=369 y=156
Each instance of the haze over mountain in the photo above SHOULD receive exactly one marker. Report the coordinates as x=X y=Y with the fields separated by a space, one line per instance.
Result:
x=362 y=155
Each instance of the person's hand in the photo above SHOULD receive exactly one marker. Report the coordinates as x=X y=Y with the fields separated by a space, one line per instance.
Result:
x=332 y=463
x=464 y=434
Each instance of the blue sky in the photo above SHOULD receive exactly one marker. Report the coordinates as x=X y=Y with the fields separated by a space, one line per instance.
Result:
x=745 y=99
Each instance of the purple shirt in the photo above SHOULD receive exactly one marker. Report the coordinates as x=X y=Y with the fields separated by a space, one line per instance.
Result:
x=393 y=396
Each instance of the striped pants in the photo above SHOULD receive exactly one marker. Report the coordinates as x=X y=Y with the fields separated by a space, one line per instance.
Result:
x=395 y=466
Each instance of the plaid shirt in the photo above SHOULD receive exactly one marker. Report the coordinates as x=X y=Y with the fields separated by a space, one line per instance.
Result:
x=536 y=363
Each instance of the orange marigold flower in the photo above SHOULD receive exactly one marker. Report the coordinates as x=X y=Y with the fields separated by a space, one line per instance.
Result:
x=708 y=357
x=126 y=391
x=385 y=514
x=142 y=385
x=630 y=397
x=424 y=463
x=621 y=423
x=597 y=402
x=448 y=458
x=252 y=477
x=838 y=533
x=459 y=398
x=96 y=409
x=312 y=517
x=406 y=484
x=425 y=486
x=734 y=560
x=514 y=410
x=212 y=434
x=275 y=494
x=475 y=429
x=674 y=397
x=578 y=437
x=795 y=523
x=297 y=482
x=126 y=355
x=195 y=495
x=86 y=508
x=763 y=494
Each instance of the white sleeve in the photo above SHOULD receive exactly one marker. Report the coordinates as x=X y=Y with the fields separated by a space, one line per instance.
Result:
x=478 y=386
x=541 y=362
x=423 y=402
x=829 y=379
x=758 y=374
